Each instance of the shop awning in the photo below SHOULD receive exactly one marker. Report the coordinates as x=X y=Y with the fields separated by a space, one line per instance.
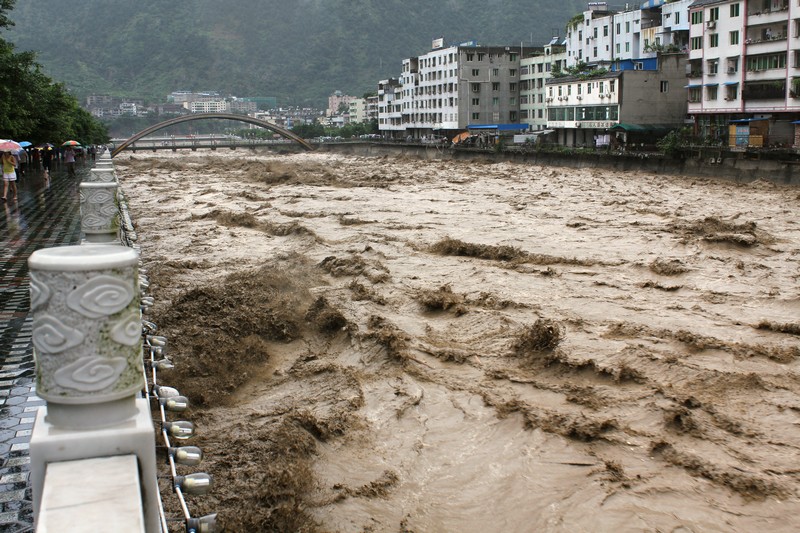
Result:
x=711 y=84
x=746 y=120
x=499 y=127
x=731 y=83
x=693 y=86
x=653 y=129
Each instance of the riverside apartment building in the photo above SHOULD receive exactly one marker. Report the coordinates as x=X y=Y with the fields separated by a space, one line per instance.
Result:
x=449 y=89
x=744 y=71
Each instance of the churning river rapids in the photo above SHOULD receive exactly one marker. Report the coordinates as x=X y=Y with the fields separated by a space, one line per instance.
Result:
x=393 y=344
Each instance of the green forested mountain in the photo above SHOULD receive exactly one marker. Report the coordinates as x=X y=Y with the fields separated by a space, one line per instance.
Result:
x=298 y=50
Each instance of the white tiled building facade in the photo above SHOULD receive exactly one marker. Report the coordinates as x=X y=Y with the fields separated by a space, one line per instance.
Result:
x=534 y=73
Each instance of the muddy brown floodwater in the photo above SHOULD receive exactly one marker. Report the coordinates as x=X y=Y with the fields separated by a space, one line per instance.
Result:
x=391 y=344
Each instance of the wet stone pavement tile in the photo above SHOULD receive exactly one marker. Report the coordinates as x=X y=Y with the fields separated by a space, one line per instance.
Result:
x=44 y=216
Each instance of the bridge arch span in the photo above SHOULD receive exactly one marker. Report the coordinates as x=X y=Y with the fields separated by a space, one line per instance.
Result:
x=205 y=116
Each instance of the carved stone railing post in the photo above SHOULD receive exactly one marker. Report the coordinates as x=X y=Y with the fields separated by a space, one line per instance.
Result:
x=102 y=174
x=87 y=338
x=86 y=333
x=99 y=212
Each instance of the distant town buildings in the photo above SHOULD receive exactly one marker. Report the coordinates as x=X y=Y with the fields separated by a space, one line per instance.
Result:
x=179 y=102
x=337 y=103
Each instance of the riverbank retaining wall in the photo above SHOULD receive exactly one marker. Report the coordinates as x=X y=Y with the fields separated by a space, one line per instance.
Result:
x=736 y=168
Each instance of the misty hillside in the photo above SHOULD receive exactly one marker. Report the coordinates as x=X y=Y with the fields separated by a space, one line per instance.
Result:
x=297 y=50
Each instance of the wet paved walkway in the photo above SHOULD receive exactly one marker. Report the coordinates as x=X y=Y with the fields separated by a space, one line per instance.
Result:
x=43 y=216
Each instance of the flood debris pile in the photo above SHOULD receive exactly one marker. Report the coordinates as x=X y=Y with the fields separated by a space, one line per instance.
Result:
x=449 y=346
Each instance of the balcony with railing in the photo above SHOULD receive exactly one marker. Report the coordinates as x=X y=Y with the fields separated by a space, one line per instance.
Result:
x=764 y=90
x=759 y=14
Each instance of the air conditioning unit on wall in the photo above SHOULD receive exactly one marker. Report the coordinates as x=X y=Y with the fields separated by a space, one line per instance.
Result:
x=711 y=24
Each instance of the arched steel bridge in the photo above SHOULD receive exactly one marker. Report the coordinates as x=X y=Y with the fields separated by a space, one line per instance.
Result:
x=205 y=116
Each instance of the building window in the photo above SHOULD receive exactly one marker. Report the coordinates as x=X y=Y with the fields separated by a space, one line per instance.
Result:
x=495 y=101
x=694 y=94
x=476 y=116
x=605 y=31
x=627 y=47
x=512 y=72
x=476 y=87
x=594 y=32
x=713 y=40
x=713 y=66
x=664 y=86
x=697 y=43
x=481 y=56
x=476 y=72
x=713 y=14
x=594 y=52
x=512 y=116
x=619 y=48
x=766 y=62
x=677 y=17
x=476 y=101
x=734 y=10
x=619 y=28
x=512 y=87
x=512 y=101
x=611 y=86
x=697 y=18
x=628 y=27
x=470 y=57
x=734 y=37
x=495 y=86
x=711 y=93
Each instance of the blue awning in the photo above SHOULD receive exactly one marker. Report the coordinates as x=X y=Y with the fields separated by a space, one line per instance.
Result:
x=746 y=120
x=653 y=3
x=499 y=127
x=692 y=86
x=731 y=83
x=711 y=84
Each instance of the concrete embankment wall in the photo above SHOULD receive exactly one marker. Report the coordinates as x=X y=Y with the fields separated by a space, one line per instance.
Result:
x=731 y=168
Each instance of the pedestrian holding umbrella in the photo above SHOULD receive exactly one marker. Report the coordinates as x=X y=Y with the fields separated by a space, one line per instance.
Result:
x=9 y=163
x=69 y=156
x=46 y=156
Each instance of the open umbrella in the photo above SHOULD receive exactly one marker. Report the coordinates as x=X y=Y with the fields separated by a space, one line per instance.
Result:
x=71 y=143
x=25 y=144
x=46 y=146
x=9 y=146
